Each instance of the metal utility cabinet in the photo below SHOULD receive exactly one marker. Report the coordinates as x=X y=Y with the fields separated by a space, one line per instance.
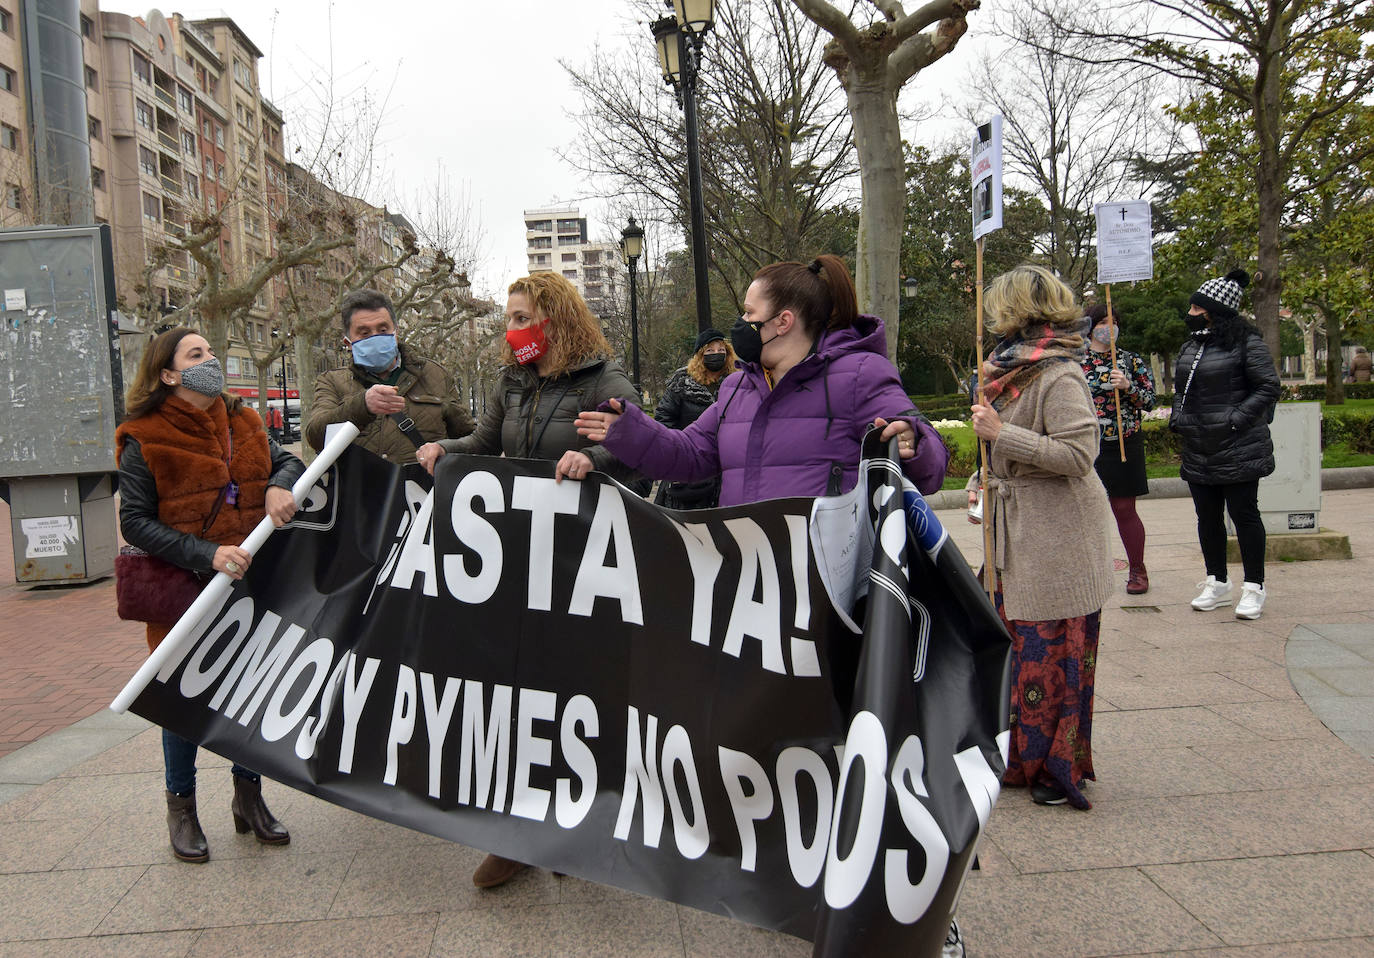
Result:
x=61 y=395
x=1290 y=500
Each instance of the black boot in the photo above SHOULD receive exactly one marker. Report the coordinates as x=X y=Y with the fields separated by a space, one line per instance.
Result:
x=188 y=841
x=251 y=812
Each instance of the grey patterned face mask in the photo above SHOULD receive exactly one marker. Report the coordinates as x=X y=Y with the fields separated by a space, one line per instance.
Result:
x=206 y=378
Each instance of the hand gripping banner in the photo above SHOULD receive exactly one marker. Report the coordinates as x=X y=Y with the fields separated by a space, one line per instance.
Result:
x=792 y=713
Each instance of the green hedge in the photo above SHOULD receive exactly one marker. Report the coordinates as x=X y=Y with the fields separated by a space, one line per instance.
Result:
x=1316 y=392
x=1353 y=427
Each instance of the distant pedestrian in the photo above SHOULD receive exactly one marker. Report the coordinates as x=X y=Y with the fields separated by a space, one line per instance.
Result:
x=1361 y=365
x=1124 y=480
x=1227 y=387
x=689 y=393
x=197 y=473
x=1050 y=526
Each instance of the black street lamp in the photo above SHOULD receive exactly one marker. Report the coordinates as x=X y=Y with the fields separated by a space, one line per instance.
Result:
x=285 y=414
x=631 y=247
x=284 y=434
x=679 y=39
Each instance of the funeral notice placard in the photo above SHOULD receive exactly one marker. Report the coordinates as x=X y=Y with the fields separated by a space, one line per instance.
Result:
x=1123 y=241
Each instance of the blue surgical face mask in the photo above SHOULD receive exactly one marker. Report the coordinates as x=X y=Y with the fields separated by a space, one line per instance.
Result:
x=375 y=353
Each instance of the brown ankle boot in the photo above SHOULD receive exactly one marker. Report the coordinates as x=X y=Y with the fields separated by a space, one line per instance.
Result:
x=251 y=812
x=183 y=828
x=1138 y=582
x=496 y=870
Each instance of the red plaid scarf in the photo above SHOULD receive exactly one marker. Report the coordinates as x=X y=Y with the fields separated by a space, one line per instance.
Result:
x=1017 y=360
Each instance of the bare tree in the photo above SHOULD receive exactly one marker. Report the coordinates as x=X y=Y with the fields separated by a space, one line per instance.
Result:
x=427 y=284
x=1071 y=126
x=873 y=62
x=775 y=147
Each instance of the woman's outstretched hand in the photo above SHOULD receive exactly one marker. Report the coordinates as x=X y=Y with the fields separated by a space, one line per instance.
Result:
x=597 y=425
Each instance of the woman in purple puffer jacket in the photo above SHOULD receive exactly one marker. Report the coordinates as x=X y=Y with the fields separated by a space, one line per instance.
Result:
x=813 y=376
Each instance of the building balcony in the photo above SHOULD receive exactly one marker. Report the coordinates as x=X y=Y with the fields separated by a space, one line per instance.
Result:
x=165 y=97
x=171 y=185
x=174 y=229
x=169 y=141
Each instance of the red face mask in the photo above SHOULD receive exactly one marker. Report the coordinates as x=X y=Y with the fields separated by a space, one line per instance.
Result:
x=529 y=343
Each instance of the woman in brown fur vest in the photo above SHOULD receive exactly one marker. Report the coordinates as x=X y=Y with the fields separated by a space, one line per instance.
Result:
x=188 y=452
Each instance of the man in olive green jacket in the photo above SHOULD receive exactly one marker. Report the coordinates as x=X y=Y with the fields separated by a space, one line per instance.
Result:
x=396 y=397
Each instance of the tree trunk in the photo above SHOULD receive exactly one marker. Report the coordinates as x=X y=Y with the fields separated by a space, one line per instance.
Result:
x=1335 y=384
x=1309 y=353
x=878 y=139
x=1270 y=183
x=305 y=385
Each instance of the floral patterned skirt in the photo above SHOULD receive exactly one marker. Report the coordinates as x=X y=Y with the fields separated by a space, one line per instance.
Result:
x=1053 y=668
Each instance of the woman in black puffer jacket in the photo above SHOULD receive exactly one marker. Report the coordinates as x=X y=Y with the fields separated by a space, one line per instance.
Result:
x=690 y=391
x=1226 y=387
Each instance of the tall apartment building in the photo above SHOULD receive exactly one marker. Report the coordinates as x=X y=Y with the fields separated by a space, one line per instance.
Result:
x=44 y=151
x=556 y=240
x=16 y=167
x=178 y=127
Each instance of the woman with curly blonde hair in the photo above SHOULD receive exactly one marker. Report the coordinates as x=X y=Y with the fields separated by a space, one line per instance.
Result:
x=558 y=364
x=1045 y=499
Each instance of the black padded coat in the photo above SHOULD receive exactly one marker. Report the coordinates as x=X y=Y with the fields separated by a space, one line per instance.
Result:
x=528 y=417
x=1223 y=415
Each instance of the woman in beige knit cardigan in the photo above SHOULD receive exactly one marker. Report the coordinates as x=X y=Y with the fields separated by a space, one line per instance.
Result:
x=1051 y=525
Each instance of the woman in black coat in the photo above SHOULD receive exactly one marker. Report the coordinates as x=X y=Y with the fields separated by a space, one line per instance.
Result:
x=1226 y=387
x=690 y=391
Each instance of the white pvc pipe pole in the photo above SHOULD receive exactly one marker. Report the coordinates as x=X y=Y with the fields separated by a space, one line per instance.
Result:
x=219 y=586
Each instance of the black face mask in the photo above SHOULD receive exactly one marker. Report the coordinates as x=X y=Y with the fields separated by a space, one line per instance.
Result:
x=748 y=342
x=714 y=362
x=1197 y=323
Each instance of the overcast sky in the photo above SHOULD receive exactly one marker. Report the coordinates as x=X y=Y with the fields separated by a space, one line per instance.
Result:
x=474 y=86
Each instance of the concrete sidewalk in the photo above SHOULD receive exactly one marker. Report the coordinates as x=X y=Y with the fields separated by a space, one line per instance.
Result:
x=1233 y=815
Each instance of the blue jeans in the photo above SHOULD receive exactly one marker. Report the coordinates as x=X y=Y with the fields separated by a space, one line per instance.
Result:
x=179 y=757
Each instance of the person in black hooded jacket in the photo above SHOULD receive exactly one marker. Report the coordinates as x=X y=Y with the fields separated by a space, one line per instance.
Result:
x=1225 y=390
x=690 y=391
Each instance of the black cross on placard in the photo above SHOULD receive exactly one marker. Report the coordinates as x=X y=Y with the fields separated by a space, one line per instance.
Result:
x=1123 y=214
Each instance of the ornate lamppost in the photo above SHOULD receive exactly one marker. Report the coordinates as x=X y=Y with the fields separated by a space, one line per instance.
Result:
x=631 y=248
x=679 y=40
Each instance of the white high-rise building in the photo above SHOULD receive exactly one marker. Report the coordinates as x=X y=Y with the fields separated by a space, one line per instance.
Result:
x=556 y=241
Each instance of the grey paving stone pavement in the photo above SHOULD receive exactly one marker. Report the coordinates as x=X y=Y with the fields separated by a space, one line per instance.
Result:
x=1233 y=815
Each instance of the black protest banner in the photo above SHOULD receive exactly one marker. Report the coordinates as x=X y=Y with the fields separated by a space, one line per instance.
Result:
x=681 y=704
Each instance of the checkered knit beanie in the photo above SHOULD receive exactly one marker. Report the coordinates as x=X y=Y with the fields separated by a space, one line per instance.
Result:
x=1221 y=297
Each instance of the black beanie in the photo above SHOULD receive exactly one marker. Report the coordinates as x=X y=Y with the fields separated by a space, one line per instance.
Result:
x=1221 y=297
x=708 y=336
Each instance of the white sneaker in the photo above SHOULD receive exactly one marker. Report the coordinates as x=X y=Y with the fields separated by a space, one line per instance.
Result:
x=1252 y=598
x=954 y=942
x=1214 y=594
